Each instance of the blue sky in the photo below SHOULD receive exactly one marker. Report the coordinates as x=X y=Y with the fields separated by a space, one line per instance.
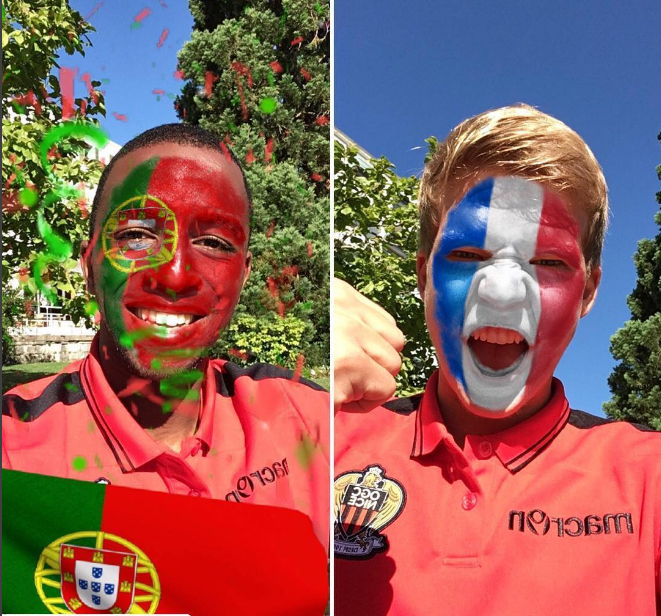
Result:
x=408 y=70
x=128 y=57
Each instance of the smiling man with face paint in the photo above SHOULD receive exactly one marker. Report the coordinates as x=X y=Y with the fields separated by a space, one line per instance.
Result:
x=167 y=259
x=488 y=494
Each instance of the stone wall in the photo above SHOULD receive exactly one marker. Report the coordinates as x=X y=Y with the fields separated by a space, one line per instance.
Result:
x=65 y=348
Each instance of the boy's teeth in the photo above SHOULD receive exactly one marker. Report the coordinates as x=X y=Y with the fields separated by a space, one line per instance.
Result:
x=164 y=318
x=497 y=335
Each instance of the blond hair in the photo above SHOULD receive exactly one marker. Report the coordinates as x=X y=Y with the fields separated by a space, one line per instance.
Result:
x=521 y=141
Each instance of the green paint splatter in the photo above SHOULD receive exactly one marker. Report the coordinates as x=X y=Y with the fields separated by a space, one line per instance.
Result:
x=171 y=293
x=301 y=189
x=108 y=410
x=305 y=451
x=268 y=105
x=28 y=197
x=318 y=8
x=167 y=406
x=179 y=385
x=156 y=364
x=79 y=463
x=105 y=81
x=91 y=426
x=270 y=78
x=126 y=339
x=97 y=461
x=71 y=387
x=135 y=25
x=26 y=416
x=188 y=267
x=91 y=307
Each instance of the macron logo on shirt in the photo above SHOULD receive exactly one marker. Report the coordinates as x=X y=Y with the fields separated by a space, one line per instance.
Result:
x=538 y=522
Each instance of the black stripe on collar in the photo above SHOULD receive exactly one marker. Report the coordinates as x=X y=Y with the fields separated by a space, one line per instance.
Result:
x=230 y=372
x=64 y=388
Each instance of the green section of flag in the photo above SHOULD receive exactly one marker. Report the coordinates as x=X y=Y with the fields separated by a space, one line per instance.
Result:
x=37 y=511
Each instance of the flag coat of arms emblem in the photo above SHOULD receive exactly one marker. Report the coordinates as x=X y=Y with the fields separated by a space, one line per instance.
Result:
x=96 y=580
x=365 y=503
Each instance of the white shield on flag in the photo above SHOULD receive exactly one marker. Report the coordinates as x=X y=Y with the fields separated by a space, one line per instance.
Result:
x=97 y=584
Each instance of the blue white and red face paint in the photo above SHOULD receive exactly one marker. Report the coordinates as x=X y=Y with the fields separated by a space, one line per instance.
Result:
x=508 y=278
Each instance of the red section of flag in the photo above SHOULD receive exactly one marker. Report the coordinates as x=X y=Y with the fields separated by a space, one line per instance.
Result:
x=161 y=40
x=67 y=75
x=270 y=560
x=142 y=14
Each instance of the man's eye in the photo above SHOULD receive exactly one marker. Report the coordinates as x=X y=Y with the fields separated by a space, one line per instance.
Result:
x=466 y=255
x=547 y=262
x=211 y=242
x=135 y=239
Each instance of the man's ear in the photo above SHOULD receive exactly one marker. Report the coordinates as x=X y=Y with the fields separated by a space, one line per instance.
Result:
x=86 y=266
x=590 y=291
x=421 y=266
x=248 y=268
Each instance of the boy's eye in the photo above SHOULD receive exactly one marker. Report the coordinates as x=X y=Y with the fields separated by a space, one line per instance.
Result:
x=466 y=255
x=214 y=243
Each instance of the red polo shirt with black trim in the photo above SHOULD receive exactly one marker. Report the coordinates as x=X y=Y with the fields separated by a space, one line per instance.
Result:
x=262 y=437
x=560 y=514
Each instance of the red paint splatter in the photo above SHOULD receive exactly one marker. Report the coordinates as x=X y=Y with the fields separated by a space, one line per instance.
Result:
x=315 y=177
x=83 y=107
x=228 y=156
x=105 y=352
x=161 y=40
x=268 y=150
x=179 y=74
x=240 y=354
x=165 y=6
x=119 y=116
x=244 y=108
x=92 y=92
x=281 y=309
x=67 y=75
x=250 y=157
x=322 y=120
x=306 y=74
x=269 y=231
x=94 y=10
x=209 y=80
x=277 y=67
x=159 y=92
x=242 y=69
x=297 y=40
x=310 y=249
x=142 y=14
x=300 y=362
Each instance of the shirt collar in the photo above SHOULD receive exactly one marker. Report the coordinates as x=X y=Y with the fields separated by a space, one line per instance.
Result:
x=515 y=447
x=134 y=446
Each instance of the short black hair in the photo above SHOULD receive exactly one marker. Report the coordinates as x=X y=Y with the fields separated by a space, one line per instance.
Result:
x=181 y=134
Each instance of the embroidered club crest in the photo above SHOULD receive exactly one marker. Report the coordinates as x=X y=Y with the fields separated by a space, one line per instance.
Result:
x=98 y=574
x=365 y=502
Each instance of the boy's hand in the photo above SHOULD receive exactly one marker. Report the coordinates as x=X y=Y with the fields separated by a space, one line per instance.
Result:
x=367 y=343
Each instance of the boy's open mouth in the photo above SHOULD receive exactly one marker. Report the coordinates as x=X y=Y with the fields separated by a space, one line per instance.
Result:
x=497 y=351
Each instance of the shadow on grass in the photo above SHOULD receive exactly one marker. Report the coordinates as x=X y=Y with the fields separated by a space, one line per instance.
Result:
x=16 y=375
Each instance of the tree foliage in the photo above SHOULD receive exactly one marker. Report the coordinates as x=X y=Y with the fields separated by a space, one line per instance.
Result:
x=34 y=33
x=257 y=73
x=636 y=381
x=376 y=242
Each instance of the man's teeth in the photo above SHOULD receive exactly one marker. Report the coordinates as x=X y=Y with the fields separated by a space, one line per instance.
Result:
x=497 y=335
x=164 y=318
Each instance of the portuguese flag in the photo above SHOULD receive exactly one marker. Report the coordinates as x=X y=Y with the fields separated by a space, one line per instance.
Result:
x=84 y=548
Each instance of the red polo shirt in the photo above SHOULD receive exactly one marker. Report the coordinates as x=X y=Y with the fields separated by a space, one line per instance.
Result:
x=560 y=514
x=262 y=437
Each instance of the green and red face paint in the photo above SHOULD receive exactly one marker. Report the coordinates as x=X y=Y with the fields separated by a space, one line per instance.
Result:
x=170 y=260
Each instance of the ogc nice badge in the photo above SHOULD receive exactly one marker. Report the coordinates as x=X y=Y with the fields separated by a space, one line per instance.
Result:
x=365 y=502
